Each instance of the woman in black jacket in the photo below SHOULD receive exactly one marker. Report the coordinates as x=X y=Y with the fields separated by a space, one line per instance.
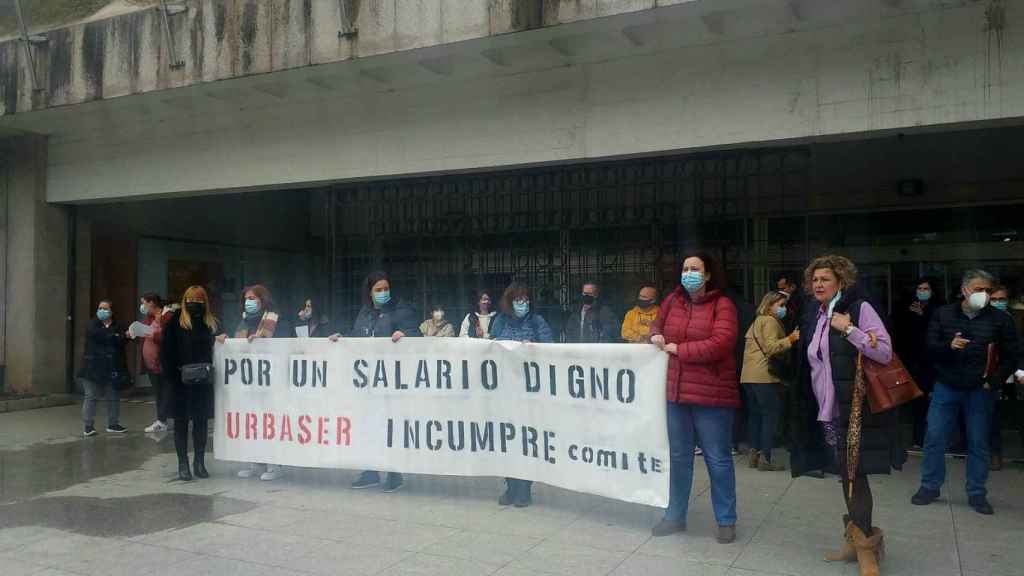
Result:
x=382 y=317
x=188 y=341
x=103 y=369
x=841 y=326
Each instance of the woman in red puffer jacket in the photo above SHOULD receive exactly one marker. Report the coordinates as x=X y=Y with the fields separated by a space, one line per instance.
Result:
x=697 y=326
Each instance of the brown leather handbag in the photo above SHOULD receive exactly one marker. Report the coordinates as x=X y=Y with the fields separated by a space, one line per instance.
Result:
x=888 y=385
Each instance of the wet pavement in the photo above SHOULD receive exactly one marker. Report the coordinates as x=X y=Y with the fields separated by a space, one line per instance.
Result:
x=110 y=505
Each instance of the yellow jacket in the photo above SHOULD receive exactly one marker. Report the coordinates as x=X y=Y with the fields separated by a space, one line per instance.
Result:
x=636 y=327
x=772 y=339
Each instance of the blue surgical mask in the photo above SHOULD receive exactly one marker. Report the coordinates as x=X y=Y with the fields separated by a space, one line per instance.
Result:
x=924 y=295
x=381 y=298
x=1000 y=305
x=520 y=308
x=103 y=314
x=143 y=310
x=252 y=306
x=780 y=312
x=692 y=280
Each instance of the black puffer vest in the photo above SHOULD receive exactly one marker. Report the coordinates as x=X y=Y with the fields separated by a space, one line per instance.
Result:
x=880 y=446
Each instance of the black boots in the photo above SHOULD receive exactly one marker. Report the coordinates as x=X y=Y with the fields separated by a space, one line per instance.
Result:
x=184 y=474
x=199 y=466
x=517 y=493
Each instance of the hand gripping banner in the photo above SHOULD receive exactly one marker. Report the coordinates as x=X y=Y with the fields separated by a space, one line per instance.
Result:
x=585 y=417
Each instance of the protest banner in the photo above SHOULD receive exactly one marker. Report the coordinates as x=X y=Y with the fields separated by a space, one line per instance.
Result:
x=585 y=417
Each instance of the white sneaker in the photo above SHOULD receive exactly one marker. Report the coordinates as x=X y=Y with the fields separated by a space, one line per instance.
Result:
x=273 y=473
x=156 y=426
x=252 y=470
x=697 y=451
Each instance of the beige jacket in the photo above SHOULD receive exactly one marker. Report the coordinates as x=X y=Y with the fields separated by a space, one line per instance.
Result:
x=772 y=337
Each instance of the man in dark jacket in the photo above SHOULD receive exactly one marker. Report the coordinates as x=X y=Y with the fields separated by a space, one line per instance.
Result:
x=974 y=350
x=593 y=322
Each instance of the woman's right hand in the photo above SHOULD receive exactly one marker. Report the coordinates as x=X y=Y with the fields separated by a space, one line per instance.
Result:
x=221 y=338
x=659 y=341
x=794 y=336
x=334 y=337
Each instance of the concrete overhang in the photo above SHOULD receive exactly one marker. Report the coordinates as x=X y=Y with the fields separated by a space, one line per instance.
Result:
x=356 y=97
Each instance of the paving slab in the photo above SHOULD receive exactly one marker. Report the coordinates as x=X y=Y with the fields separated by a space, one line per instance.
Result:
x=111 y=505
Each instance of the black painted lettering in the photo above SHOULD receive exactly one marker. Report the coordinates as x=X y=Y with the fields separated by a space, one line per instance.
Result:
x=626 y=386
x=359 y=367
x=576 y=383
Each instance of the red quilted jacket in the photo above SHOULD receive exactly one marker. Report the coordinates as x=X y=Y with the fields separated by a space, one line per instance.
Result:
x=703 y=372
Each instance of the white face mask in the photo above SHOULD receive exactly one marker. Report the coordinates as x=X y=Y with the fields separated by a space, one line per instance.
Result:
x=978 y=300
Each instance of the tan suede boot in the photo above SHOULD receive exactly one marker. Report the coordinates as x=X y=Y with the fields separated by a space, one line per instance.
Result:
x=755 y=458
x=847 y=553
x=870 y=550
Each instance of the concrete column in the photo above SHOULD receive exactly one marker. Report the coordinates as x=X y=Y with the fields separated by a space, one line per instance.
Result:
x=36 y=291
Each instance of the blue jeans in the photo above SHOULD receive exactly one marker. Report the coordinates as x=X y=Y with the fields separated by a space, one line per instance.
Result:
x=713 y=427
x=946 y=403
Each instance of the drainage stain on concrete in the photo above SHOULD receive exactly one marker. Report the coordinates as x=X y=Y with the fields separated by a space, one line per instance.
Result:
x=120 y=517
x=44 y=468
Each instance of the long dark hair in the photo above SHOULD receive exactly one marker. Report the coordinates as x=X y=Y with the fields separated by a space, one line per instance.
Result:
x=713 y=267
x=371 y=279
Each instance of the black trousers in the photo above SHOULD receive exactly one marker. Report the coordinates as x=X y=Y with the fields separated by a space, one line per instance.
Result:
x=764 y=408
x=859 y=507
x=192 y=404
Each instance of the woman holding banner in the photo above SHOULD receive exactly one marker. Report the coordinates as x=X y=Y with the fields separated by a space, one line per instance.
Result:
x=518 y=322
x=186 y=358
x=382 y=317
x=697 y=326
x=259 y=320
x=833 y=336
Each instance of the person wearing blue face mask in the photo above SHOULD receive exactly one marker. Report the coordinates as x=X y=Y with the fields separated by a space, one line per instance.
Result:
x=104 y=369
x=1007 y=393
x=910 y=324
x=382 y=316
x=765 y=359
x=519 y=322
x=698 y=326
x=259 y=320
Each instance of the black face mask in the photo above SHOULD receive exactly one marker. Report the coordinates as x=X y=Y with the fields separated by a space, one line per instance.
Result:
x=196 y=309
x=588 y=299
x=645 y=304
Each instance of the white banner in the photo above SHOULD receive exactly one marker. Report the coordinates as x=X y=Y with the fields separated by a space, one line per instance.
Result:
x=586 y=417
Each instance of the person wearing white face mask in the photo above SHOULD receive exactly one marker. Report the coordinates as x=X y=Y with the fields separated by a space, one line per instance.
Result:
x=437 y=326
x=974 y=347
x=477 y=323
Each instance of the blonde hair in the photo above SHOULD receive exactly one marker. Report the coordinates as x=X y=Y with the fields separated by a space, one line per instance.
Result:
x=844 y=269
x=209 y=319
x=769 y=301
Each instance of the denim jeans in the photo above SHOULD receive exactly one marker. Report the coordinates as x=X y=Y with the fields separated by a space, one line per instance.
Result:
x=977 y=404
x=92 y=392
x=713 y=426
x=764 y=406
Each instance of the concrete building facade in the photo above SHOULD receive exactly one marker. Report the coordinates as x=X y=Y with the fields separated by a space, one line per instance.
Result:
x=609 y=134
